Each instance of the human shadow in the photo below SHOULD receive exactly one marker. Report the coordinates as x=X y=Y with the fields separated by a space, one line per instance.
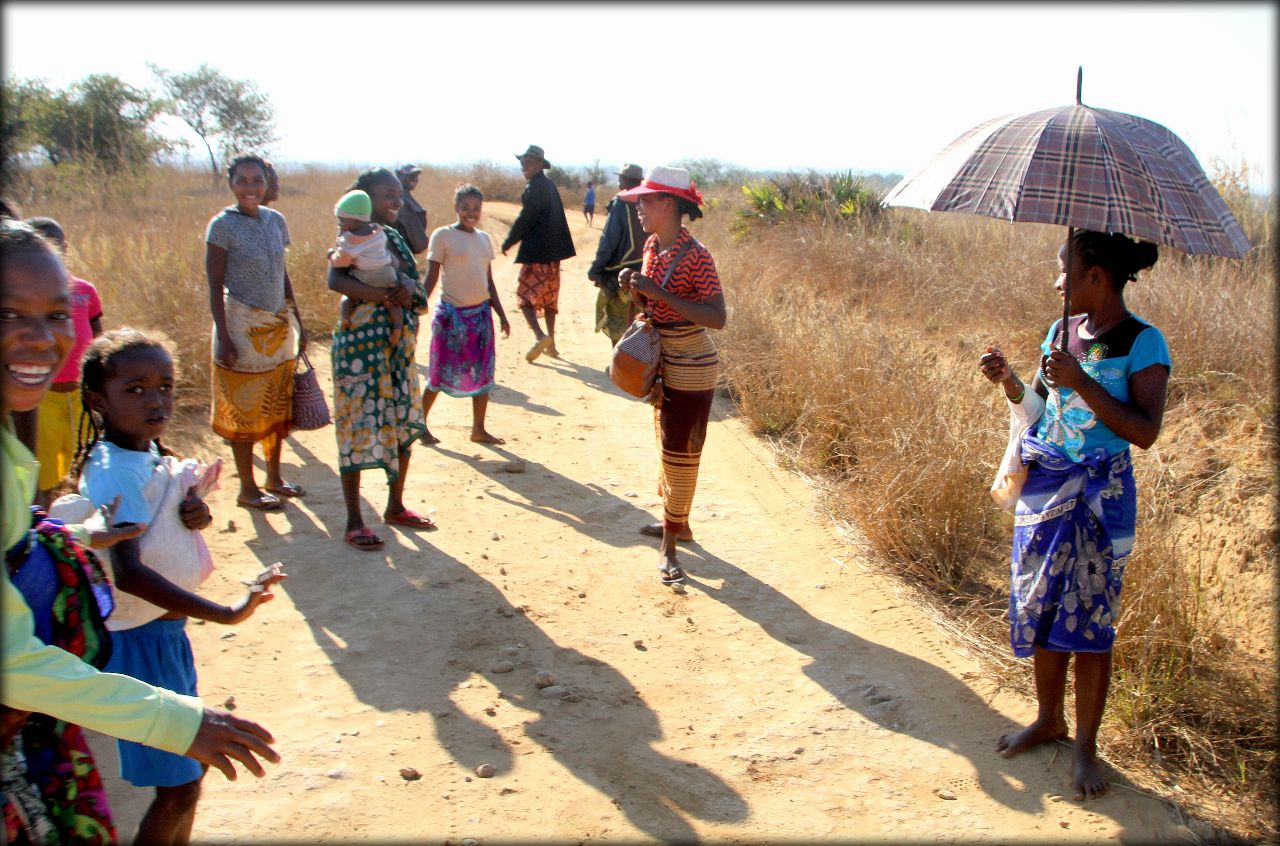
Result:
x=881 y=684
x=419 y=616
x=593 y=377
x=585 y=507
x=506 y=395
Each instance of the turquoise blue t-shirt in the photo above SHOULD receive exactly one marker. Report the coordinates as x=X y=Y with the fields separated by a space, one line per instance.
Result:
x=1111 y=359
x=111 y=470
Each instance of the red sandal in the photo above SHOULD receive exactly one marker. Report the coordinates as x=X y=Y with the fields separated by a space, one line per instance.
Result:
x=409 y=520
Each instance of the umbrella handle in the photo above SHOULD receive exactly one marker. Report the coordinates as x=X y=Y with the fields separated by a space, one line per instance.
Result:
x=1079 y=82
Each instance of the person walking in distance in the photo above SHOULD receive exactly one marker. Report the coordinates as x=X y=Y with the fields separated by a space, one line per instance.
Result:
x=621 y=246
x=542 y=232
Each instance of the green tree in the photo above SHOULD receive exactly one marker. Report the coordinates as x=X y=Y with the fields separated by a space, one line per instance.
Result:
x=228 y=114
x=99 y=120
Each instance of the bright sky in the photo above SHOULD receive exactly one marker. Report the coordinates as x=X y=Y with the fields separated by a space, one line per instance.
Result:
x=868 y=87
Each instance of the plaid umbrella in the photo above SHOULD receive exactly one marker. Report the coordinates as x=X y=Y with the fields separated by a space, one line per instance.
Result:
x=1084 y=168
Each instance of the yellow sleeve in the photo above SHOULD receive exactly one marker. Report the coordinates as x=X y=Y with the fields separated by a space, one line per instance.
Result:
x=48 y=680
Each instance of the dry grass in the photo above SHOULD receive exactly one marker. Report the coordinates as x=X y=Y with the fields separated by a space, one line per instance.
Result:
x=855 y=348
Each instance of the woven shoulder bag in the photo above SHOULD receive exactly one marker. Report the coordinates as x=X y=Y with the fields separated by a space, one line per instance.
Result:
x=309 y=411
x=637 y=357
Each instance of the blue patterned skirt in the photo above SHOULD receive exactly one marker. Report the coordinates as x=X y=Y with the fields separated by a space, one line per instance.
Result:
x=1073 y=532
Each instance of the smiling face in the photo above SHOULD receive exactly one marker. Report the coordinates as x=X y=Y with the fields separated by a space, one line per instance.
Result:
x=653 y=210
x=136 y=400
x=249 y=185
x=36 y=332
x=387 y=200
x=468 y=209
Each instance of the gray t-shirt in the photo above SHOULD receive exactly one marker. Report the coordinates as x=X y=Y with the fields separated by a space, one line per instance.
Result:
x=255 y=255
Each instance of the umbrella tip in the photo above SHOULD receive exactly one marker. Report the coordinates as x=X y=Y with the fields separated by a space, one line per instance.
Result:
x=1079 y=82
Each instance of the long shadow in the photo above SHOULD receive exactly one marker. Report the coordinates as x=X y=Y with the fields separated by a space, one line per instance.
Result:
x=584 y=507
x=594 y=377
x=506 y=395
x=419 y=614
x=880 y=683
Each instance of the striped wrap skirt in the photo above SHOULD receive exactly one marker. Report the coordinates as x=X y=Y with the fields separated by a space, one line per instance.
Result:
x=690 y=367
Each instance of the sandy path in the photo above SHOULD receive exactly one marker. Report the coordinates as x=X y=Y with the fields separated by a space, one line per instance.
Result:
x=785 y=693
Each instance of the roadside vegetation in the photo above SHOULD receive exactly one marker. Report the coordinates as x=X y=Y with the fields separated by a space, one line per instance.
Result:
x=852 y=347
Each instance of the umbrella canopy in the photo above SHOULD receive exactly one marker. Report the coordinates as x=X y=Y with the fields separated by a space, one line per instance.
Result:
x=1082 y=167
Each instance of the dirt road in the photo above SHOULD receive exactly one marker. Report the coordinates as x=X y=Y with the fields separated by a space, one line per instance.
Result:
x=785 y=693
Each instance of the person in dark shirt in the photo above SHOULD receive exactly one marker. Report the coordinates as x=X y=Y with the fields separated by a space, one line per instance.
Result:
x=411 y=223
x=621 y=245
x=542 y=232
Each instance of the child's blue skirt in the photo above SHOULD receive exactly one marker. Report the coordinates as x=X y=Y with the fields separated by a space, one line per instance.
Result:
x=160 y=654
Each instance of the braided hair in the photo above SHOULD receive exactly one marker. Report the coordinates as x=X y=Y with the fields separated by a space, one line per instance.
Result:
x=98 y=365
x=1116 y=253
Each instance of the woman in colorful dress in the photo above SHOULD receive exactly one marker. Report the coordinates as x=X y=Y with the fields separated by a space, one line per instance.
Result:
x=377 y=404
x=680 y=290
x=1077 y=509
x=257 y=331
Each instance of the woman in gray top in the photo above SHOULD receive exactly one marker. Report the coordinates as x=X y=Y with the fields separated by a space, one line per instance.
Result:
x=257 y=331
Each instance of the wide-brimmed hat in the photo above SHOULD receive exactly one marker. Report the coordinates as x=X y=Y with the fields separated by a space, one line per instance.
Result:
x=666 y=180
x=632 y=171
x=535 y=151
x=354 y=204
x=408 y=169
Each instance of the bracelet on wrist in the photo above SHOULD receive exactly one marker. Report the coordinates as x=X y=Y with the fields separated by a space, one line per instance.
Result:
x=1022 y=393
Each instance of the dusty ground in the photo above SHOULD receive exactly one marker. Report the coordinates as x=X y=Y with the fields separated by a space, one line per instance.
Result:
x=786 y=693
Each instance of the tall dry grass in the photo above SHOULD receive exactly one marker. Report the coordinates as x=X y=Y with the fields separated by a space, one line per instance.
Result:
x=140 y=239
x=854 y=347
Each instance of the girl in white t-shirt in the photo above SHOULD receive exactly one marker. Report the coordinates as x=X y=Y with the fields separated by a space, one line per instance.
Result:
x=127 y=389
x=462 y=339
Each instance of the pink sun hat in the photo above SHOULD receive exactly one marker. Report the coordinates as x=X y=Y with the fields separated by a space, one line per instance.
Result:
x=666 y=180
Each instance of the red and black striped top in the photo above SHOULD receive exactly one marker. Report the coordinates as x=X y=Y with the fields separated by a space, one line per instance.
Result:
x=695 y=278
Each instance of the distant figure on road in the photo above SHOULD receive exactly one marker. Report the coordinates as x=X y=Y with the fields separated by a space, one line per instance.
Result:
x=589 y=202
x=621 y=246
x=412 y=220
x=542 y=232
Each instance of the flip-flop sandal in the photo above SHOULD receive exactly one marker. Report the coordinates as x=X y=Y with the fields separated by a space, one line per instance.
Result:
x=538 y=348
x=363 y=539
x=671 y=574
x=409 y=520
x=266 y=502
x=654 y=530
x=287 y=489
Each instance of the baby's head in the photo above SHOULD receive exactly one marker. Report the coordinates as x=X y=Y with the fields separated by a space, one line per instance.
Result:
x=354 y=209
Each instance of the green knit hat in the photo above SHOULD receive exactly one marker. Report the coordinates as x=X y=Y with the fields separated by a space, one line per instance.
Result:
x=354 y=204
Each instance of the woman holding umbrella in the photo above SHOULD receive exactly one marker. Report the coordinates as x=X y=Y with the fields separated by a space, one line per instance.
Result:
x=1077 y=509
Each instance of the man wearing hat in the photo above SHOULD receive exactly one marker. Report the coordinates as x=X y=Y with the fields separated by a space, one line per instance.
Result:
x=621 y=245
x=542 y=232
x=412 y=220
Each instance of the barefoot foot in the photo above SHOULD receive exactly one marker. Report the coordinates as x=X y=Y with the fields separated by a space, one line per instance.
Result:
x=483 y=437
x=1087 y=776
x=1033 y=735
x=427 y=438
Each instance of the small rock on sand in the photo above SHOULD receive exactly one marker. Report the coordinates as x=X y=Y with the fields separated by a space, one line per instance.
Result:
x=229 y=703
x=544 y=678
x=409 y=774
x=555 y=691
x=943 y=793
x=486 y=770
x=513 y=467
x=495 y=536
x=502 y=666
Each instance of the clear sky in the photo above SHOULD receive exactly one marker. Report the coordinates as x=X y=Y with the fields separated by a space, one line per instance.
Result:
x=868 y=87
